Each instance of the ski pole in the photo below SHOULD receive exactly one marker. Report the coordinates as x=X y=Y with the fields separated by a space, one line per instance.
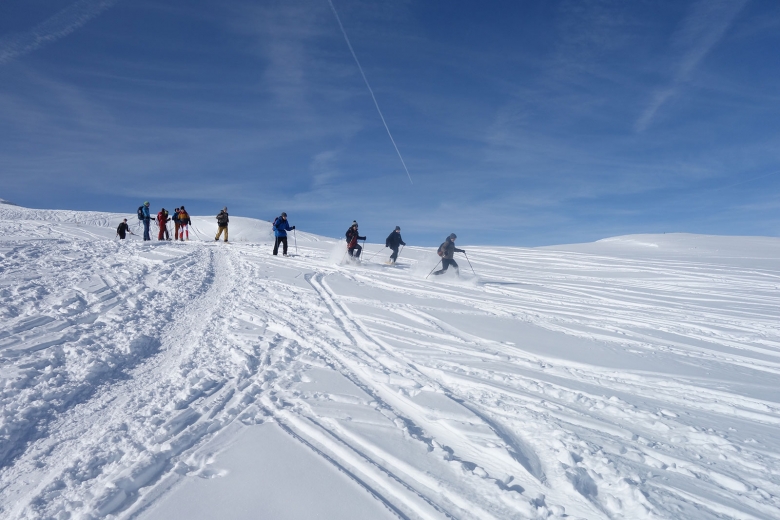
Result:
x=295 y=239
x=434 y=267
x=469 y=261
x=372 y=256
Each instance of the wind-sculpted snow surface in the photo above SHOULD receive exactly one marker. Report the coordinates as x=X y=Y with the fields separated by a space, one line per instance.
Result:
x=632 y=378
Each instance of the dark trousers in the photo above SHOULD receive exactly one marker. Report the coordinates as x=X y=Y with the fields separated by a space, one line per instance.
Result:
x=394 y=256
x=354 y=252
x=146 y=229
x=445 y=263
x=283 y=241
x=121 y=235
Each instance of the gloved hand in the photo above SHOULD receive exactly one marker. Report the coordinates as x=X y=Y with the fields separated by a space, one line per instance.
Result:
x=292 y=228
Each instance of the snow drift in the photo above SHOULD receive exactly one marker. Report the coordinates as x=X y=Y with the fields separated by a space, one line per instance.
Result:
x=635 y=377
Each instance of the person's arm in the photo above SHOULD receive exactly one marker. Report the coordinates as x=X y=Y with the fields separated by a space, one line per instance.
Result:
x=459 y=250
x=361 y=238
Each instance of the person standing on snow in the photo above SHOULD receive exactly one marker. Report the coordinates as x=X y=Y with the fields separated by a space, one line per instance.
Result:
x=222 y=221
x=393 y=241
x=281 y=227
x=122 y=229
x=147 y=218
x=352 y=240
x=184 y=223
x=175 y=218
x=162 y=224
x=446 y=251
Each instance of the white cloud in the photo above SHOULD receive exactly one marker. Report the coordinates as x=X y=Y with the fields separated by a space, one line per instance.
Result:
x=52 y=29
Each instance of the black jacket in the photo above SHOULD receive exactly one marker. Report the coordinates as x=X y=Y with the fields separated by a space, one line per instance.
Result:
x=123 y=228
x=353 y=237
x=223 y=219
x=448 y=249
x=394 y=240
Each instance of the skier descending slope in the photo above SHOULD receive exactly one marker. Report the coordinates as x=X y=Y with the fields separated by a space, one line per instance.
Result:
x=446 y=251
x=393 y=241
x=223 y=219
x=281 y=227
x=352 y=241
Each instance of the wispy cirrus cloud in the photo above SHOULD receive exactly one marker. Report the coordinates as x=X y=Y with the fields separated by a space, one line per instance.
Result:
x=52 y=29
x=703 y=27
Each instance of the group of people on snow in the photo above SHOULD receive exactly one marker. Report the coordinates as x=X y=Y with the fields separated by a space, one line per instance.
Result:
x=180 y=218
x=281 y=226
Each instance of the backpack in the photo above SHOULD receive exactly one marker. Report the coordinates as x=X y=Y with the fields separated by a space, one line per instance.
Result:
x=141 y=212
x=183 y=217
x=441 y=249
x=276 y=223
x=165 y=215
x=222 y=218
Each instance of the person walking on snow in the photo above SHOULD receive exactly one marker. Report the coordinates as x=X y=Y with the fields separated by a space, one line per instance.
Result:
x=162 y=224
x=147 y=218
x=122 y=229
x=446 y=251
x=184 y=223
x=281 y=227
x=175 y=218
x=222 y=221
x=393 y=241
x=352 y=240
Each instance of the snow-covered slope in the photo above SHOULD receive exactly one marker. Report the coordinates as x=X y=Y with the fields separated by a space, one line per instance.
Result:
x=637 y=377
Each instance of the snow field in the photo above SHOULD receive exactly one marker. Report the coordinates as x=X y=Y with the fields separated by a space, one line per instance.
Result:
x=630 y=378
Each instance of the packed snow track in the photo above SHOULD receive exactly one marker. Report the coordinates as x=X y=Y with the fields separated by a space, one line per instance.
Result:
x=635 y=377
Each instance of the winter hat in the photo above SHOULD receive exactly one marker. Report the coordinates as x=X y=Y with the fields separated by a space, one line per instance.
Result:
x=284 y=214
x=452 y=236
x=146 y=203
x=354 y=223
x=398 y=228
x=224 y=209
x=181 y=207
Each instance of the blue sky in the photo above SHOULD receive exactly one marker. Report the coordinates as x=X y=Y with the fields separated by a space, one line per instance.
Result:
x=521 y=123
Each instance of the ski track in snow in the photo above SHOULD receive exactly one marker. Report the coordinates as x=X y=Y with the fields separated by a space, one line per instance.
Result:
x=561 y=382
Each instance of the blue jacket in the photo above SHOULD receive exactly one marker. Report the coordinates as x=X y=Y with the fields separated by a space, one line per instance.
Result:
x=281 y=227
x=147 y=216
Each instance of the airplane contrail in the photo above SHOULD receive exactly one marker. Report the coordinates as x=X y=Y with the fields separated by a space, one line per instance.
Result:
x=53 y=28
x=336 y=14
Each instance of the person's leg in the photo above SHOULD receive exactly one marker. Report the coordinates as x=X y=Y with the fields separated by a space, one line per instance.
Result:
x=276 y=246
x=176 y=231
x=146 y=230
x=284 y=246
x=219 y=232
x=159 y=231
x=445 y=263
x=359 y=249
x=226 y=231
x=454 y=265
x=394 y=256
